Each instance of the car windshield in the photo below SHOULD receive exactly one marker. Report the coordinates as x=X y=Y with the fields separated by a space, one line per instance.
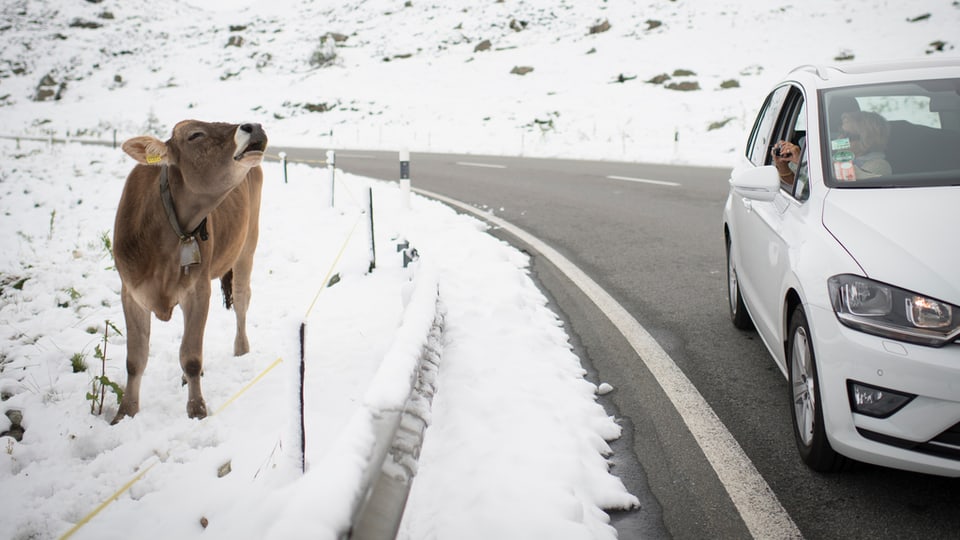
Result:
x=903 y=134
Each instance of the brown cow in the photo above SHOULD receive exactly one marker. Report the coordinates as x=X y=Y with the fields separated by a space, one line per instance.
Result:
x=189 y=213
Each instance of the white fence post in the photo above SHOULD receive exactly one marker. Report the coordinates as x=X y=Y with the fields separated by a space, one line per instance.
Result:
x=332 y=164
x=283 y=163
x=405 y=179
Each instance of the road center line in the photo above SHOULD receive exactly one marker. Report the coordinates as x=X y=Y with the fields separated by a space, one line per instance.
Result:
x=644 y=181
x=486 y=165
x=759 y=507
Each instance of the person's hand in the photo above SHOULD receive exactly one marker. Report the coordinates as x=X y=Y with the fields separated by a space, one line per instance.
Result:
x=789 y=152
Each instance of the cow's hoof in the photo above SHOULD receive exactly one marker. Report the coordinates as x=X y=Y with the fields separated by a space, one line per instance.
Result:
x=197 y=409
x=124 y=411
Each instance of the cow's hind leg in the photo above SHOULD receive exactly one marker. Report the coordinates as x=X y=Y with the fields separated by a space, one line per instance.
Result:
x=241 y=301
x=195 y=307
x=138 y=347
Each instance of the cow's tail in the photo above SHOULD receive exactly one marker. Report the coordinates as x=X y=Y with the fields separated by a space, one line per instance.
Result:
x=226 y=285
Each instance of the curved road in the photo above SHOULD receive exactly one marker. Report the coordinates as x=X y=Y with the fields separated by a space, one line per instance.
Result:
x=649 y=235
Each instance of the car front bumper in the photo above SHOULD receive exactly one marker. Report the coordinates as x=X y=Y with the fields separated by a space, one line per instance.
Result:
x=922 y=436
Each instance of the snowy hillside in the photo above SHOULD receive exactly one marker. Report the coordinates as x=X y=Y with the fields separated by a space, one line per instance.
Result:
x=517 y=445
x=639 y=81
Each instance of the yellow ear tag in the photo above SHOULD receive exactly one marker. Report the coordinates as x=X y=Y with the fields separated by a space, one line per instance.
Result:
x=153 y=158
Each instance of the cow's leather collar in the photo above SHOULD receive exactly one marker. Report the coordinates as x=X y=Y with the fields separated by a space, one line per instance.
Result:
x=185 y=239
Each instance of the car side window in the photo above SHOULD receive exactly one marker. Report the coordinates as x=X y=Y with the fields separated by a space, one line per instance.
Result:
x=792 y=127
x=758 y=147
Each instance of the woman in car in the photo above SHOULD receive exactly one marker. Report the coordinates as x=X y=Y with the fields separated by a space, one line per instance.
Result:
x=865 y=134
x=868 y=133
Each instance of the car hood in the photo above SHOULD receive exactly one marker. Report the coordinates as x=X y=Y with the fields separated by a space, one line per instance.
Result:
x=902 y=237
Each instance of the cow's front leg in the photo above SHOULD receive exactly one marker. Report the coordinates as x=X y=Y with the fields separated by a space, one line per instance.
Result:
x=138 y=347
x=195 y=306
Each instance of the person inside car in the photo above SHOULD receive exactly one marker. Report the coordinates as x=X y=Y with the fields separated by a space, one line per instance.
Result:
x=868 y=133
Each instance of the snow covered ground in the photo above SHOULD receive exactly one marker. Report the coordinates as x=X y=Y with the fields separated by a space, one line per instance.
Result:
x=517 y=441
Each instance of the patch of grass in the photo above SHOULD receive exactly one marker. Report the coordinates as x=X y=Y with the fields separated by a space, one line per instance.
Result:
x=78 y=362
x=107 y=245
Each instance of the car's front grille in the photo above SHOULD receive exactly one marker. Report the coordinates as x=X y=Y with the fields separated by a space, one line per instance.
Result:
x=945 y=445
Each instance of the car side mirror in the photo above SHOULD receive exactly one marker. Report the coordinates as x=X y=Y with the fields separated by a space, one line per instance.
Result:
x=757 y=183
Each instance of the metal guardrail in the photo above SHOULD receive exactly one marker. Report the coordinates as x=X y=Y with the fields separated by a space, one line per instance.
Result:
x=389 y=475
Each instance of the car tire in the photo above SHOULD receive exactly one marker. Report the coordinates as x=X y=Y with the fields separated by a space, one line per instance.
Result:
x=806 y=407
x=738 y=311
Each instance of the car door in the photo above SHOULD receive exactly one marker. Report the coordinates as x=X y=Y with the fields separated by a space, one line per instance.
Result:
x=763 y=254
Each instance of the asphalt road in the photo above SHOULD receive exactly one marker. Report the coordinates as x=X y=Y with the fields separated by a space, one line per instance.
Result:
x=650 y=236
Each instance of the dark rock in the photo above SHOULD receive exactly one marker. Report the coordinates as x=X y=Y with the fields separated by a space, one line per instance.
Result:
x=685 y=86
x=600 y=28
x=80 y=23
x=483 y=46
x=49 y=89
x=521 y=70
x=660 y=79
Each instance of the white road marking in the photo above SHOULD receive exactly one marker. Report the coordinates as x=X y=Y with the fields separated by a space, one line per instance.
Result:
x=758 y=505
x=644 y=181
x=486 y=165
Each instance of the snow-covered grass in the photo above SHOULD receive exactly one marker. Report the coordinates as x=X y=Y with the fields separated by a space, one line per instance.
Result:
x=517 y=443
x=508 y=376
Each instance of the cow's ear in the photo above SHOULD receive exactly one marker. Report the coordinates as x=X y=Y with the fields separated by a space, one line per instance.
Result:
x=146 y=150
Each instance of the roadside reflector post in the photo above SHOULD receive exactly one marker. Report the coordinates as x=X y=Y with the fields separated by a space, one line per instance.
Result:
x=332 y=164
x=405 y=179
x=283 y=163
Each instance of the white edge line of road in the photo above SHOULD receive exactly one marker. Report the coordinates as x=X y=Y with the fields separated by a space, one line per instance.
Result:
x=643 y=180
x=485 y=165
x=759 y=507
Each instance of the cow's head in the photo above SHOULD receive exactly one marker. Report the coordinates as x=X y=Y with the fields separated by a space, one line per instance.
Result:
x=213 y=157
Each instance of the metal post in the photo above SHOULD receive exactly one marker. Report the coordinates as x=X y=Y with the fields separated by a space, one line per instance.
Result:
x=373 y=243
x=303 y=431
x=332 y=164
x=283 y=162
x=405 y=179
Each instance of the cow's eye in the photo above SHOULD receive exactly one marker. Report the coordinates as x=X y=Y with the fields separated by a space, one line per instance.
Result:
x=195 y=135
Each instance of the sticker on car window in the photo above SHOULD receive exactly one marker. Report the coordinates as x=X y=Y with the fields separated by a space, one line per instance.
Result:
x=840 y=144
x=843 y=166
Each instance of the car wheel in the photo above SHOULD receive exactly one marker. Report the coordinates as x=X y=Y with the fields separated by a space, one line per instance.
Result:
x=738 y=311
x=806 y=406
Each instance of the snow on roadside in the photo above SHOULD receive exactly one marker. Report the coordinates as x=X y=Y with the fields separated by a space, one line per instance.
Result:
x=514 y=421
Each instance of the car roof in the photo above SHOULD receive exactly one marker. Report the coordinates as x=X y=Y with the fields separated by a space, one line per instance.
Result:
x=853 y=73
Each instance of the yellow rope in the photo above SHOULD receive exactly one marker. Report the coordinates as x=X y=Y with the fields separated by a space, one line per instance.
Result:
x=143 y=472
x=333 y=266
x=249 y=384
x=107 y=502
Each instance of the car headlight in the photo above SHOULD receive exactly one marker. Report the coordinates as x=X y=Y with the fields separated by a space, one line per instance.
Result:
x=883 y=310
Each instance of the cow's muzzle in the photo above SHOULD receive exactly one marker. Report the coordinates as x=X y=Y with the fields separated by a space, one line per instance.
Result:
x=251 y=143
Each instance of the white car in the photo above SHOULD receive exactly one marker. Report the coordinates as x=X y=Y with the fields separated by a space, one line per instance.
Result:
x=844 y=253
